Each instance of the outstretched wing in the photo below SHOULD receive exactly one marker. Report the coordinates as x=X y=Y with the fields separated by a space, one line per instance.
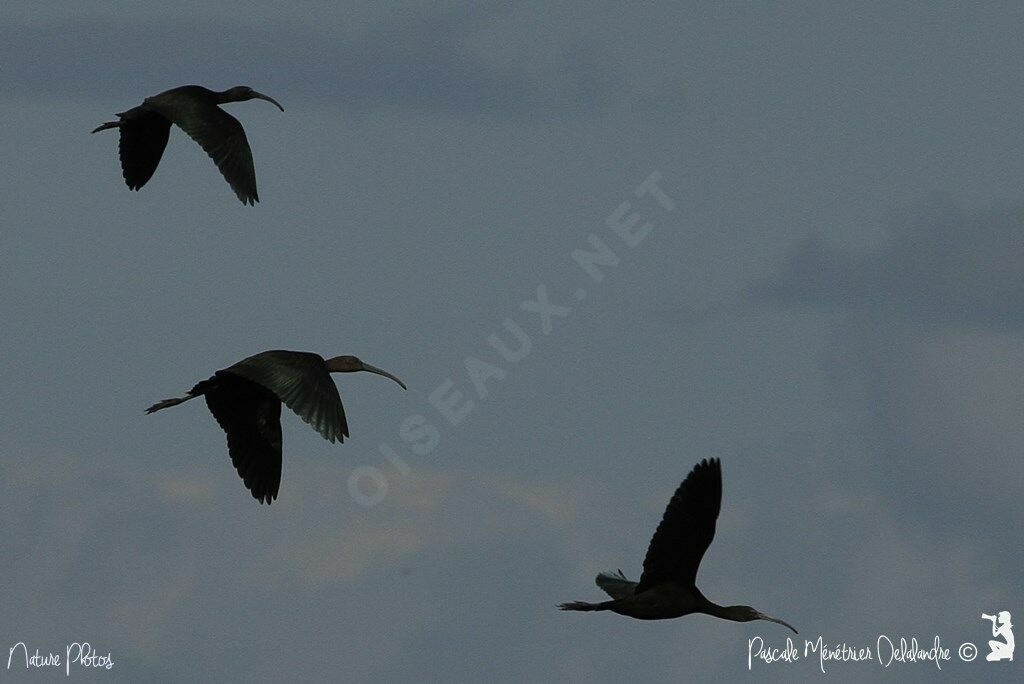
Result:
x=223 y=138
x=301 y=381
x=250 y=415
x=143 y=139
x=686 y=529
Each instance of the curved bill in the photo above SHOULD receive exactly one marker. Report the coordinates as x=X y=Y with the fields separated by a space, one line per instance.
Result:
x=379 y=371
x=261 y=96
x=762 y=616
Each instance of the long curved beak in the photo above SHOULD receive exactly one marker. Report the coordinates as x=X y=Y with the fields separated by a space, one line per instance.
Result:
x=380 y=371
x=769 y=618
x=261 y=96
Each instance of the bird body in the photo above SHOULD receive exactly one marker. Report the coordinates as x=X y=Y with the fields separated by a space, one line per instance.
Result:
x=667 y=588
x=145 y=130
x=246 y=399
x=662 y=602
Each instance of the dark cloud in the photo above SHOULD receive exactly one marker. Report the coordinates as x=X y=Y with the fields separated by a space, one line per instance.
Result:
x=425 y=62
x=956 y=271
x=928 y=338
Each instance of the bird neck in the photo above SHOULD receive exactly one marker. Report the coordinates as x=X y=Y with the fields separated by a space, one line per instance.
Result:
x=229 y=95
x=734 y=613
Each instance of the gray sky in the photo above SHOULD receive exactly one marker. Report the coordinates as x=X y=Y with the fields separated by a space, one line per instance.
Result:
x=834 y=306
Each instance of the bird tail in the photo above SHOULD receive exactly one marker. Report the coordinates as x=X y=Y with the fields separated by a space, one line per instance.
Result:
x=105 y=126
x=583 y=605
x=615 y=584
x=167 y=403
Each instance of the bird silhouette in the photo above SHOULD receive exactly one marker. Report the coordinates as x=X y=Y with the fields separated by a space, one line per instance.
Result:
x=194 y=109
x=246 y=401
x=667 y=587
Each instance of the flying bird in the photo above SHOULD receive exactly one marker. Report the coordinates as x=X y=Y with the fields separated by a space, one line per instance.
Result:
x=246 y=401
x=144 y=131
x=667 y=587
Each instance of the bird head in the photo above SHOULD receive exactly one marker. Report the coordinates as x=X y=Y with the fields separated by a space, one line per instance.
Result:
x=747 y=614
x=243 y=93
x=352 y=364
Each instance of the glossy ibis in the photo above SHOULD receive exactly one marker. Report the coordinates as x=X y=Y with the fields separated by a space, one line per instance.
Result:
x=246 y=401
x=667 y=587
x=144 y=131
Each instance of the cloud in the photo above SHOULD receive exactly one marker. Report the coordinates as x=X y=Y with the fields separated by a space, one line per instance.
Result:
x=186 y=490
x=424 y=511
x=956 y=271
x=426 y=62
x=557 y=505
x=927 y=335
x=174 y=548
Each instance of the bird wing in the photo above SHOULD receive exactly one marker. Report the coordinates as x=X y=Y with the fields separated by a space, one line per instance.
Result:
x=615 y=584
x=302 y=382
x=250 y=415
x=143 y=139
x=223 y=138
x=686 y=529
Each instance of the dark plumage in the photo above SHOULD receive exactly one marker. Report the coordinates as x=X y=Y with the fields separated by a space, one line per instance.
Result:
x=667 y=587
x=246 y=401
x=686 y=529
x=145 y=129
